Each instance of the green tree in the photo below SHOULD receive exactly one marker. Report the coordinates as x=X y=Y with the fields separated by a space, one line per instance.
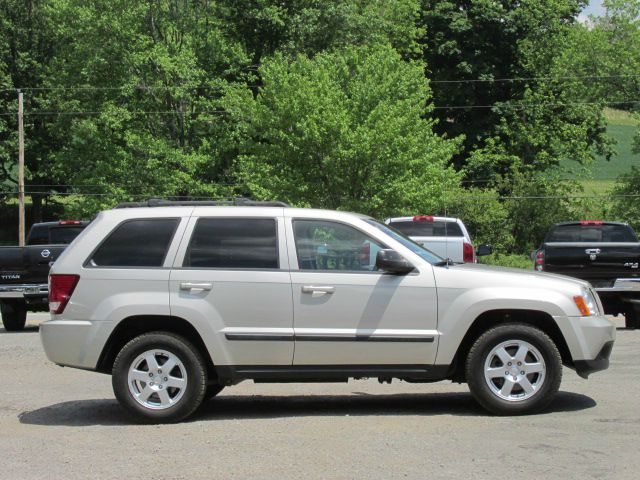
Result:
x=344 y=130
x=26 y=50
x=494 y=72
x=143 y=81
x=626 y=195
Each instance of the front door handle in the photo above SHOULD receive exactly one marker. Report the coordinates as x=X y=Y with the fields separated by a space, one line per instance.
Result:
x=318 y=289
x=196 y=286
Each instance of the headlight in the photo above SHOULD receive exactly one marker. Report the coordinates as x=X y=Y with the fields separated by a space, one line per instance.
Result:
x=586 y=303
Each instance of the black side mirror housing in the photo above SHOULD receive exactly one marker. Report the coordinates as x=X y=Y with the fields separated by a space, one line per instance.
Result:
x=390 y=261
x=484 y=250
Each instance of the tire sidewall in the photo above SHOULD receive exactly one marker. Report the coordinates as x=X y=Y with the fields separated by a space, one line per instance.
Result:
x=193 y=364
x=14 y=316
x=478 y=356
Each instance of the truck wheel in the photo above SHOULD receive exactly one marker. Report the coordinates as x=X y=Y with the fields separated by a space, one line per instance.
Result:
x=514 y=369
x=159 y=377
x=631 y=316
x=14 y=316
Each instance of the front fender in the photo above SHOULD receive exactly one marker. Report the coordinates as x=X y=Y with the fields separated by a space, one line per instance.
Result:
x=458 y=309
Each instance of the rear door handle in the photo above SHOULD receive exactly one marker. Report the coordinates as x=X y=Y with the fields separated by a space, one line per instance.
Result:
x=196 y=286
x=318 y=289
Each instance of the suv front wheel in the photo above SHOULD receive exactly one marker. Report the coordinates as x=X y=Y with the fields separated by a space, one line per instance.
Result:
x=159 y=377
x=514 y=369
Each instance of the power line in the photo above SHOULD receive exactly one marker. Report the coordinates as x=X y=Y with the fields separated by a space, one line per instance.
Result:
x=222 y=112
x=463 y=196
x=100 y=112
x=529 y=79
x=209 y=87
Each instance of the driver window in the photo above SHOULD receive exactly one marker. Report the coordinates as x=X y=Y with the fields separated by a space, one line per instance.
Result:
x=324 y=245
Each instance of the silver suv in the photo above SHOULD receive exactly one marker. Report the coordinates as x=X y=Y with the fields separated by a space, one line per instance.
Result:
x=178 y=301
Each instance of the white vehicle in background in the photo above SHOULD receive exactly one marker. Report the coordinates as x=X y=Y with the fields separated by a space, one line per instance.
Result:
x=444 y=236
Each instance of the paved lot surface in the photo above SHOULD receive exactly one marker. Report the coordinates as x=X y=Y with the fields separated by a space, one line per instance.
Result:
x=64 y=423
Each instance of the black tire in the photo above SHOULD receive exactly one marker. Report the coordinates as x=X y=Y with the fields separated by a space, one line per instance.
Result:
x=512 y=335
x=14 y=316
x=213 y=390
x=192 y=363
x=631 y=317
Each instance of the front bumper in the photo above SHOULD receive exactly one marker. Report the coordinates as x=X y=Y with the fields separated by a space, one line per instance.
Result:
x=584 y=368
x=590 y=340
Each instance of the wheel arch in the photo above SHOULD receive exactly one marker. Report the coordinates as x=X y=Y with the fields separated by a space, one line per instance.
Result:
x=491 y=318
x=134 y=326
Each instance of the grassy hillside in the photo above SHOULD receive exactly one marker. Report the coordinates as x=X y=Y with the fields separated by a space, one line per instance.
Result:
x=601 y=176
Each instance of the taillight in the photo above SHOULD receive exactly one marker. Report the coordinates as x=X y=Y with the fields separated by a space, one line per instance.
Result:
x=468 y=255
x=539 y=260
x=60 y=289
x=590 y=222
x=423 y=218
x=69 y=222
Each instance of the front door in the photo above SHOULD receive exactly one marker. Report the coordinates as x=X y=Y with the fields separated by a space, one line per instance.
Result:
x=346 y=312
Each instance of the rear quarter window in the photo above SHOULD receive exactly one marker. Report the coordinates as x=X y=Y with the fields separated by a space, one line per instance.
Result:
x=591 y=233
x=136 y=243
x=437 y=228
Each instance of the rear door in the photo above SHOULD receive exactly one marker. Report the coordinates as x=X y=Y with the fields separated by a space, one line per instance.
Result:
x=231 y=278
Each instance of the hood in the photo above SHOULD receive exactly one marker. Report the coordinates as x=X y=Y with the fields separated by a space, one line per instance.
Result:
x=470 y=275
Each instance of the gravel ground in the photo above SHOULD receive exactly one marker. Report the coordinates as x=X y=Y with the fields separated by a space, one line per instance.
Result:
x=64 y=423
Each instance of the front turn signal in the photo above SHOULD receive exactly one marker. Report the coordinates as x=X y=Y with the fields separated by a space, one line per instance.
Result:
x=582 y=305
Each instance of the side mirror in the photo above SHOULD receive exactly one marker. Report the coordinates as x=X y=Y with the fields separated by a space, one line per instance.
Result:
x=484 y=250
x=390 y=261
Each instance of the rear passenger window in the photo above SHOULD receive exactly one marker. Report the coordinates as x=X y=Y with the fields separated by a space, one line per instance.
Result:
x=248 y=243
x=136 y=243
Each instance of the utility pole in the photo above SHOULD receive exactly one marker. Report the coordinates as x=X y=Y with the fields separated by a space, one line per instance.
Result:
x=20 y=171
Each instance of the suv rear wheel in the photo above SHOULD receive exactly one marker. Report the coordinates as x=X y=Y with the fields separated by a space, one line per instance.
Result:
x=14 y=316
x=514 y=369
x=159 y=377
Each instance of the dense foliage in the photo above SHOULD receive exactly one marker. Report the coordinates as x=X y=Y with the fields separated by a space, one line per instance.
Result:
x=463 y=107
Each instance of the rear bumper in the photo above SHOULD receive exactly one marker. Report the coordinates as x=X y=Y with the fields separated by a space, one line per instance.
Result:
x=27 y=291
x=584 y=368
x=74 y=343
x=622 y=285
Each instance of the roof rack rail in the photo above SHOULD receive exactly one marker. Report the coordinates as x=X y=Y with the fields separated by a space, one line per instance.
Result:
x=235 y=202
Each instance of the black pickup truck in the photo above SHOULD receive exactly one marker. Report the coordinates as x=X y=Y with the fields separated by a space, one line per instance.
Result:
x=606 y=254
x=24 y=271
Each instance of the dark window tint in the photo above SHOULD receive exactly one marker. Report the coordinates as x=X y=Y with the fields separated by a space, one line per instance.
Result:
x=64 y=235
x=38 y=235
x=591 y=233
x=322 y=245
x=437 y=228
x=136 y=243
x=233 y=243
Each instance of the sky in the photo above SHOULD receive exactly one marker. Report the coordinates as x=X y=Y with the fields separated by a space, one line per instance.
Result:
x=594 y=8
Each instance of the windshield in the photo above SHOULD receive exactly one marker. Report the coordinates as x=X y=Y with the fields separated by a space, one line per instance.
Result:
x=416 y=248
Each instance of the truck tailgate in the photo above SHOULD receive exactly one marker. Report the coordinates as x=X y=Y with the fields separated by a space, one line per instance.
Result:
x=445 y=247
x=23 y=265
x=599 y=263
